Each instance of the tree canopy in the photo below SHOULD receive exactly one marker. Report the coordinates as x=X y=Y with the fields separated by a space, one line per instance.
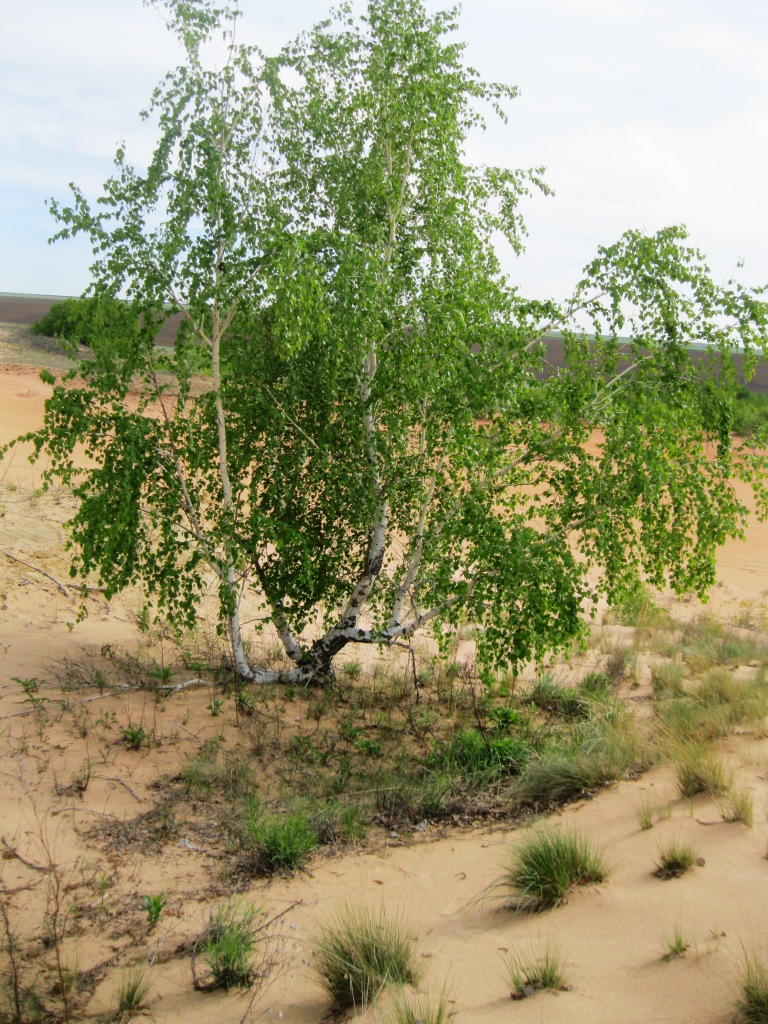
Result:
x=381 y=444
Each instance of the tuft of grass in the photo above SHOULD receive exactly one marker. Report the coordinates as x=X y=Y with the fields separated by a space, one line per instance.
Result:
x=421 y=1010
x=563 y=701
x=674 y=858
x=753 y=981
x=228 y=946
x=699 y=770
x=648 y=809
x=133 y=988
x=284 y=842
x=526 y=976
x=205 y=773
x=667 y=681
x=676 y=944
x=738 y=805
x=359 y=953
x=547 y=863
x=596 y=751
x=471 y=754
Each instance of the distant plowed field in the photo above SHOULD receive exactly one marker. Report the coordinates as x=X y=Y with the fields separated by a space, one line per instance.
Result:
x=27 y=309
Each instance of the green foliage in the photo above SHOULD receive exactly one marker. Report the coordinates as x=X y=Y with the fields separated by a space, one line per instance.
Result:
x=95 y=321
x=481 y=756
x=333 y=255
x=153 y=905
x=674 y=858
x=528 y=975
x=284 y=841
x=753 y=981
x=547 y=863
x=750 y=413
x=360 y=952
x=228 y=945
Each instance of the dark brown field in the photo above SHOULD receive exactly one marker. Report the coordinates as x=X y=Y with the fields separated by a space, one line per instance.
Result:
x=26 y=309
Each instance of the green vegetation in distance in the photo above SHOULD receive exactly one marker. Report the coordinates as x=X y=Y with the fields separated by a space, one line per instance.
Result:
x=374 y=451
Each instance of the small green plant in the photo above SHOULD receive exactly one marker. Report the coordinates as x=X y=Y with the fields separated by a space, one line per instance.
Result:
x=753 y=981
x=133 y=988
x=676 y=944
x=528 y=975
x=547 y=863
x=228 y=945
x=30 y=688
x=153 y=905
x=359 y=953
x=134 y=737
x=215 y=707
x=674 y=858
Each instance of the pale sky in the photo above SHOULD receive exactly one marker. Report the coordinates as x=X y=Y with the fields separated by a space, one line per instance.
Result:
x=645 y=112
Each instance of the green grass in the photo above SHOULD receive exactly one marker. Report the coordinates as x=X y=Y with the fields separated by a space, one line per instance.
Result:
x=753 y=982
x=592 y=753
x=667 y=680
x=359 y=953
x=698 y=769
x=133 y=988
x=738 y=805
x=229 y=944
x=471 y=754
x=563 y=701
x=676 y=944
x=547 y=863
x=420 y=1010
x=528 y=975
x=206 y=773
x=283 y=842
x=674 y=858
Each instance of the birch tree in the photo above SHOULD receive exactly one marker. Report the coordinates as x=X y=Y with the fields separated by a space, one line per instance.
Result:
x=382 y=446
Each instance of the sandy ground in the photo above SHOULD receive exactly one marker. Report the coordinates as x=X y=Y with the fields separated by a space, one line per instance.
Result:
x=611 y=937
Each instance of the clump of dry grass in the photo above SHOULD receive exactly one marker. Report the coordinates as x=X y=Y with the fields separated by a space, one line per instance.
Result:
x=547 y=863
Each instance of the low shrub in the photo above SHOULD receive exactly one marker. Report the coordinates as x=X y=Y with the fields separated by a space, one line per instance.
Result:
x=359 y=953
x=547 y=863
